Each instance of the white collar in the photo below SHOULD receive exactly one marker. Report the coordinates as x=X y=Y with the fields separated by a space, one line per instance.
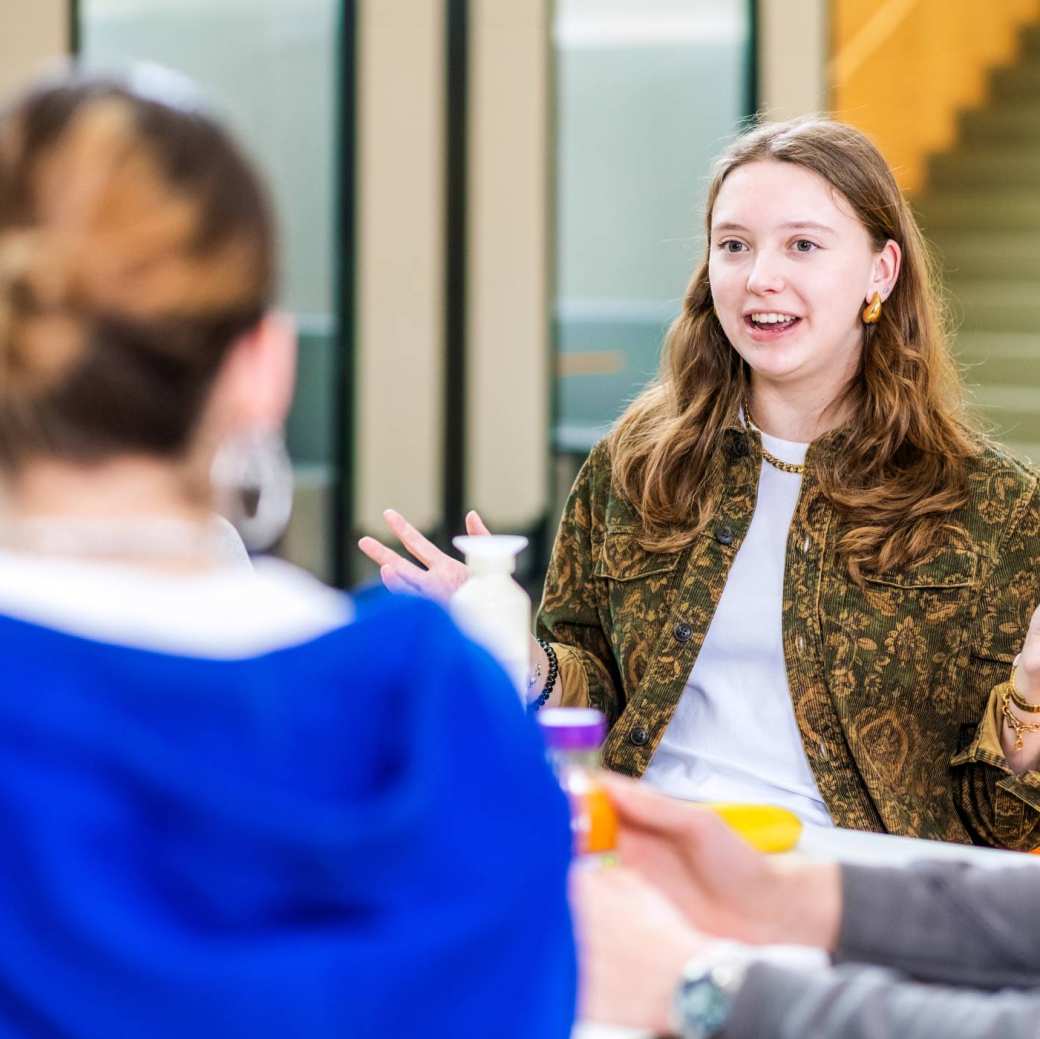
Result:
x=231 y=612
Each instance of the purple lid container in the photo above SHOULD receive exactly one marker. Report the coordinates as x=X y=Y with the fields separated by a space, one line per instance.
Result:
x=572 y=728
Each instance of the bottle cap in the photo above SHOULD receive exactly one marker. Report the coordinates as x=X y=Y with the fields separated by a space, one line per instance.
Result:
x=573 y=728
x=490 y=553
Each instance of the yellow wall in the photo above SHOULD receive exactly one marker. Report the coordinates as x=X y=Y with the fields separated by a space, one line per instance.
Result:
x=902 y=69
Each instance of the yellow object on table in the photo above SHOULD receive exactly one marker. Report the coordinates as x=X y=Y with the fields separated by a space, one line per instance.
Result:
x=765 y=827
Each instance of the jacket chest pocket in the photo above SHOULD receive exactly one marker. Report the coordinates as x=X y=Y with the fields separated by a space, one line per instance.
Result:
x=639 y=582
x=933 y=591
x=901 y=629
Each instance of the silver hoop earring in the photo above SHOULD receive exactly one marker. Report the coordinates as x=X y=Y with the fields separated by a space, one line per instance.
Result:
x=252 y=479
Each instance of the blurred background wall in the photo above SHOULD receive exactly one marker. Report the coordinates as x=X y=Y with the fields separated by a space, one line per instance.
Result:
x=943 y=49
x=34 y=35
x=950 y=91
x=646 y=95
x=490 y=210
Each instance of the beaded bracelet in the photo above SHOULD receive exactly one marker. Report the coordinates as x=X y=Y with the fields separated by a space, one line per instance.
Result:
x=550 y=681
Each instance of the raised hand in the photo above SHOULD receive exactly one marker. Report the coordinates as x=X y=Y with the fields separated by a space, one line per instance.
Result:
x=442 y=575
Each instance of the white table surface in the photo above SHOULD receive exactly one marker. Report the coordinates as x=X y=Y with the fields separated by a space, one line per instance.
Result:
x=868 y=849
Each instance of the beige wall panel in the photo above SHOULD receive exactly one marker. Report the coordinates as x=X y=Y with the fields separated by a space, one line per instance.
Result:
x=508 y=250
x=792 y=57
x=400 y=268
x=33 y=37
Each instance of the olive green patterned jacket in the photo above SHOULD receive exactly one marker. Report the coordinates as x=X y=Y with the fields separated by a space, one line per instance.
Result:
x=893 y=683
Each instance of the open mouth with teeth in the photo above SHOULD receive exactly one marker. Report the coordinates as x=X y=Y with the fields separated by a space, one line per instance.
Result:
x=770 y=324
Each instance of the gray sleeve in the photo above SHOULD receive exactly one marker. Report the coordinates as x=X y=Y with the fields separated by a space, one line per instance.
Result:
x=944 y=922
x=871 y=1003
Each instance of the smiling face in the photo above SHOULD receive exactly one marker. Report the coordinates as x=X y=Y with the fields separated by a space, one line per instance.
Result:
x=790 y=268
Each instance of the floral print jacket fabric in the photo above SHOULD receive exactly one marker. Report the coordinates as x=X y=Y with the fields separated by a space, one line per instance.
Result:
x=894 y=684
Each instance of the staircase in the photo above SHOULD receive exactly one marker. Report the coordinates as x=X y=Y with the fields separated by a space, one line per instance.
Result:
x=981 y=209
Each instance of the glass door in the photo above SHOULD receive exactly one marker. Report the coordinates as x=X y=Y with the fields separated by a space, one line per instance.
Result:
x=272 y=70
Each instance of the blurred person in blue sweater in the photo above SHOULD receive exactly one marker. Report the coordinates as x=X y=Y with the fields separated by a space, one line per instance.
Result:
x=234 y=801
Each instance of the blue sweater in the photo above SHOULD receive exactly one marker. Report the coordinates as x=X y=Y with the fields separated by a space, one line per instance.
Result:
x=353 y=837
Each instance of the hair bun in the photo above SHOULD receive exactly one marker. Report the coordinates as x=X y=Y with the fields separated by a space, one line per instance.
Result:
x=136 y=249
x=39 y=339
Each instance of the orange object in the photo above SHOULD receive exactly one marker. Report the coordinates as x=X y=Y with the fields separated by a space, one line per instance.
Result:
x=573 y=738
x=593 y=819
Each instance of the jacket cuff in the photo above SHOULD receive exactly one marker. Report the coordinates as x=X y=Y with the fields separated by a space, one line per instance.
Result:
x=586 y=682
x=1012 y=794
x=986 y=747
x=572 y=675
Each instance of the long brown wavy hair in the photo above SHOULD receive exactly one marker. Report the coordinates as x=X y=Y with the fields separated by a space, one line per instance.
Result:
x=902 y=467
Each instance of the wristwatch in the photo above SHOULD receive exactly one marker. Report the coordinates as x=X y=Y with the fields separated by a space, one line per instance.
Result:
x=709 y=985
x=711 y=980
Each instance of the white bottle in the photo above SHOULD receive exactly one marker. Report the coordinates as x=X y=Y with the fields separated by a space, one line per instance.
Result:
x=491 y=607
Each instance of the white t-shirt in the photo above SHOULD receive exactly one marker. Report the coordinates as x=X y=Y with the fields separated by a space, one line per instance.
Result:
x=733 y=736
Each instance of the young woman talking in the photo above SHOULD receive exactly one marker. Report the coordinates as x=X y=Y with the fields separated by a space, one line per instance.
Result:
x=794 y=572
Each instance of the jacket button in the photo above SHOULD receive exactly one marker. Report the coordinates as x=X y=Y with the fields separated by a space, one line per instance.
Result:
x=639 y=737
x=683 y=632
x=724 y=535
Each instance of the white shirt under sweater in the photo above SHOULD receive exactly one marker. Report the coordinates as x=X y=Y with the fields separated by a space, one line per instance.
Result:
x=233 y=611
x=733 y=736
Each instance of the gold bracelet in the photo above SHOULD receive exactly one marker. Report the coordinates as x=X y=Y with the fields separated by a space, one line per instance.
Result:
x=1024 y=705
x=1017 y=725
x=1017 y=699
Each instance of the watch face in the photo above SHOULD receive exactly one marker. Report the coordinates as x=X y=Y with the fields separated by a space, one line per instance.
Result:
x=703 y=1008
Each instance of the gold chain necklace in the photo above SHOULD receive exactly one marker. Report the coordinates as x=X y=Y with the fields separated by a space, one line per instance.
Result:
x=776 y=463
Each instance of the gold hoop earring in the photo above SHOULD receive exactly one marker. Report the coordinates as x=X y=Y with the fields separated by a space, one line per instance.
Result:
x=872 y=311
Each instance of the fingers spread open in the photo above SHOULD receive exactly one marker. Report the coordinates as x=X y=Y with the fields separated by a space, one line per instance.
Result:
x=394 y=582
x=390 y=562
x=419 y=546
x=406 y=571
x=378 y=552
x=474 y=524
